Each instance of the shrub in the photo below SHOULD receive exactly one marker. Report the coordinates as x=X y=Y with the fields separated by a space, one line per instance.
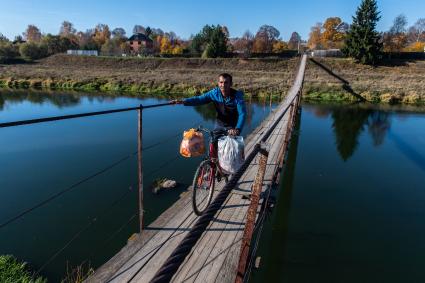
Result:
x=7 y=52
x=30 y=50
x=11 y=270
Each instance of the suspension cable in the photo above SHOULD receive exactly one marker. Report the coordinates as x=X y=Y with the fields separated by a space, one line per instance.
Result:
x=92 y=221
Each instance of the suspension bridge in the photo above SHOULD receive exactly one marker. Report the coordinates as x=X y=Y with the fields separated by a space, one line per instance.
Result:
x=219 y=245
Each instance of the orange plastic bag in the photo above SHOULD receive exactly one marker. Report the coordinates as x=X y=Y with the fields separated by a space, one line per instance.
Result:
x=192 y=144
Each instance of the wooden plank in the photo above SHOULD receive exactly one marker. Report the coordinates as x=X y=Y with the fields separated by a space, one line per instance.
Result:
x=212 y=239
x=175 y=227
x=203 y=245
x=108 y=269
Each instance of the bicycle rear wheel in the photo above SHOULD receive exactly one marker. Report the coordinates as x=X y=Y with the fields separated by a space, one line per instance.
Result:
x=203 y=186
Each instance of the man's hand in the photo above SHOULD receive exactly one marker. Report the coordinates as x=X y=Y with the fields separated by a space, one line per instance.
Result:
x=233 y=132
x=176 y=101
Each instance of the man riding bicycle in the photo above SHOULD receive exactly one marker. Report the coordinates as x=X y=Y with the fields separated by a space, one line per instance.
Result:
x=228 y=102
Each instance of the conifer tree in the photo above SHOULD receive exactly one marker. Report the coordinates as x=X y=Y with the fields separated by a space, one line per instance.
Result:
x=363 y=41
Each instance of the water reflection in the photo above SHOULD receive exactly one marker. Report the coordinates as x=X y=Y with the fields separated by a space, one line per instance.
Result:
x=58 y=99
x=378 y=126
x=362 y=216
x=347 y=125
x=350 y=121
x=82 y=147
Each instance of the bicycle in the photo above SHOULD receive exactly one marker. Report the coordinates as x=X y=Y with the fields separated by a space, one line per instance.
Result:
x=206 y=174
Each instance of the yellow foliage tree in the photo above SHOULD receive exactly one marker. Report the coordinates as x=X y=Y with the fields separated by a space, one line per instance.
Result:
x=279 y=46
x=331 y=37
x=315 y=39
x=177 y=50
x=416 y=47
x=394 y=42
x=101 y=34
x=259 y=45
x=165 y=47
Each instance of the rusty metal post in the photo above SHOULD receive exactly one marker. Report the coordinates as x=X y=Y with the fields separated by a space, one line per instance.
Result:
x=252 y=213
x=140 y=168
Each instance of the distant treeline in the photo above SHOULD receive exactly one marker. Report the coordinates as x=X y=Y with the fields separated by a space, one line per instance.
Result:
x=355 y=40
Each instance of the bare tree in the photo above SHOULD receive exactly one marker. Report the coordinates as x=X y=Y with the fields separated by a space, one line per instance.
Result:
x=32 y=34
x=417 y=31
x=139 y=29
x=396 y=39
x=118 y=33
x=264 y=38
x=399 y=25
x=67 y=29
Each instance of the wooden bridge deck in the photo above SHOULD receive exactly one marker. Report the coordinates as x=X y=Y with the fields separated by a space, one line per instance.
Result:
x=215 y=256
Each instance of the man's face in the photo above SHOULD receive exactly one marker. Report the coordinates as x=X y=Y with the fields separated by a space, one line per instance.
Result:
x=224 y=84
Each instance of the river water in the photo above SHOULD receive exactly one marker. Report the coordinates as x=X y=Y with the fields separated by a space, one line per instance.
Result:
x=350 y=207
x=91 y=221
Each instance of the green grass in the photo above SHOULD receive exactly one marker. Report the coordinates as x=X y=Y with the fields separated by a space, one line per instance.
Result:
x=13 y=271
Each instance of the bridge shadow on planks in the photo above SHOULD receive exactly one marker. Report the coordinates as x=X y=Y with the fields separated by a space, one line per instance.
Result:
x=345 y=84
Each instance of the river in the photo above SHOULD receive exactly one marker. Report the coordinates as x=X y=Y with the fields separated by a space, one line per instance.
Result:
x=44 y=163
x=350 y=207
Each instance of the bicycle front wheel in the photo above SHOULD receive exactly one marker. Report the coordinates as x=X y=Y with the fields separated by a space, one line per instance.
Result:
x=203 y=186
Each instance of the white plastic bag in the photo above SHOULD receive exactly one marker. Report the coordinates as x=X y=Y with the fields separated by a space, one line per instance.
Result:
x=231 y=153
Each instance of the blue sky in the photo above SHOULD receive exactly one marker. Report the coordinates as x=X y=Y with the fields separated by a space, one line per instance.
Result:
x=186 y=17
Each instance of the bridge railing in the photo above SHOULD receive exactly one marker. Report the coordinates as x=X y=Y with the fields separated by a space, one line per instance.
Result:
x=139 y=108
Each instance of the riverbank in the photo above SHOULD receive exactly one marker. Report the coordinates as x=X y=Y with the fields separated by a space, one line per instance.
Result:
x=395 y=81
x=257 y=77
x=326 y=79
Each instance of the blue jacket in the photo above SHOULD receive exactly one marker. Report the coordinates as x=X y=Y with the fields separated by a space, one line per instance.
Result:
x=231 y=112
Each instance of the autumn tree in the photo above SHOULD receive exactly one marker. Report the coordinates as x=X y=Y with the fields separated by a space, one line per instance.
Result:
x=32 y=34
x=396 y=38
x=332 y=36
x=101 y=34
x=363 y=41
x=294 y=41
x=86 y=40
x=264 y=38
x=417 y=46
x=67 y=29
x=279 y=46
x=315 y=37
x=244 y=44
x=165 y=45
